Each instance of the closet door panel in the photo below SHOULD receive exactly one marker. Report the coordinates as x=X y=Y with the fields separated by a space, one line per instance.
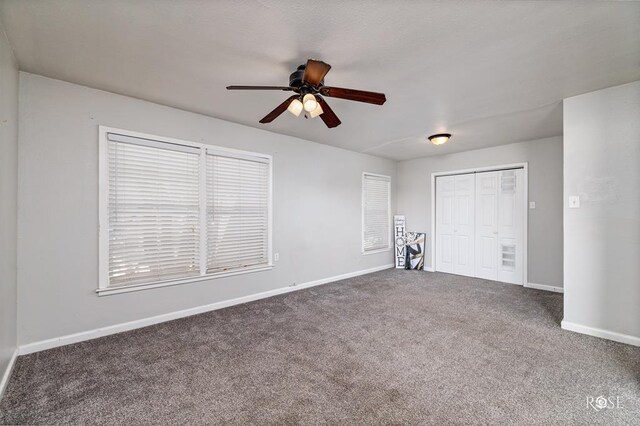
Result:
x=487 y=225
x=511 y=226
x=464 y=225
x=445 y=200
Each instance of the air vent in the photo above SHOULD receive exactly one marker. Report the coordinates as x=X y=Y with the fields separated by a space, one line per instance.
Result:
x=508 y=257
x=508 y=182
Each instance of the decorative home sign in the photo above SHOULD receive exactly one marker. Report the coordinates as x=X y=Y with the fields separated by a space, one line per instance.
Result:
x=414 y=250
x=398 y=235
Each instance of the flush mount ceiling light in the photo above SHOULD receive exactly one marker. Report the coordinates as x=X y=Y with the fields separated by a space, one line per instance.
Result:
x=440 y=138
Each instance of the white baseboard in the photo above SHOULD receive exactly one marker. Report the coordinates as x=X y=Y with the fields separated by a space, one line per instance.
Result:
x=598 y=332
x=429 y=269
x=7 y=373
x=118 y=328
x=545 y=287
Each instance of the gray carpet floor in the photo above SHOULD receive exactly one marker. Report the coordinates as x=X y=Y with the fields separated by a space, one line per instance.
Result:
x=394 y=347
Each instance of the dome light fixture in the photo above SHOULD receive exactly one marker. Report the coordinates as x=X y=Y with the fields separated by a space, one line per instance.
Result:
x=310 y=102
x=295 y=107
x=440 y=138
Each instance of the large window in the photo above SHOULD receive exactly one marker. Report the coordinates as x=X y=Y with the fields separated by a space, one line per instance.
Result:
x=376 y=213
x=173 y=211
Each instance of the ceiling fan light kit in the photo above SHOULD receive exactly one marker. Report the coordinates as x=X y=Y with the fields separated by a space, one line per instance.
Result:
x=316 y=112
x=309 y=101
x=308 y=82
x=440 y=138
x=295 y=107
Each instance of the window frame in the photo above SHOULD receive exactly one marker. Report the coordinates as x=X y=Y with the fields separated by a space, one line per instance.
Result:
x=204 y=150
x=389 y=245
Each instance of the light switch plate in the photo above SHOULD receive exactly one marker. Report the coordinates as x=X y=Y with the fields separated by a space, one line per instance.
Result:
x=532 y=205
x=276 y=257
x=574 y=202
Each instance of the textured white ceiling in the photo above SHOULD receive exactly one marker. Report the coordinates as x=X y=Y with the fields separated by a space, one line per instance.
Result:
x=488 y=72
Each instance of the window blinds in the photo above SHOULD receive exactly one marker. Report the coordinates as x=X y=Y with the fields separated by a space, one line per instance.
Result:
x=179 y=211
x=153 y=211
x=237 y=213
x=376 y=215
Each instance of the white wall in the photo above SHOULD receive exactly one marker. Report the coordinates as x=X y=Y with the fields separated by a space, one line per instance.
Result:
x=8 y=199
x=317 y=208
x=602 y=237
x=545 y=188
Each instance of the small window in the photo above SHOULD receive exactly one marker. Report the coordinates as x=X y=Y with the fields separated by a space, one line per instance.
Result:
x=376 y=213
x=174 y=211
x=237 y=213
x=154 y=202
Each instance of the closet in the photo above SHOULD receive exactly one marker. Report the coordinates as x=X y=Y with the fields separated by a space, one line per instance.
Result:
x=480 y=225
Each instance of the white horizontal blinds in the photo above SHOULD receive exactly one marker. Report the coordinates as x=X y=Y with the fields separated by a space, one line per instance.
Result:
x=376 y=194
x=237 y=213
x=153 y=211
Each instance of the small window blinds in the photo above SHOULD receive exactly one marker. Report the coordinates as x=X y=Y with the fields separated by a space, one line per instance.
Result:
x=156 y=192
x=237 y=213
x=376 y=194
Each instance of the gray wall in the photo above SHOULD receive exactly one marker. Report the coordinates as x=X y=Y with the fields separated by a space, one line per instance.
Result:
x=602 y=237
x=317 y=208
x=545 y=188
x=8 y=199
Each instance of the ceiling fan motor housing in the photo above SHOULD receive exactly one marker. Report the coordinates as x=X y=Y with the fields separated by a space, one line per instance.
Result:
x=295 y=79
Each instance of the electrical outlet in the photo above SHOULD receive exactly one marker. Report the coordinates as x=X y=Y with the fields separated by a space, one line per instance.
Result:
x=574 y=202
x=532 y=205
x=276 y=257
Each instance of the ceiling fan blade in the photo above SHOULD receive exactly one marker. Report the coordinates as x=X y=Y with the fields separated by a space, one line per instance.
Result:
x=315 y=71
x=283 y=88
x=278 y=110
x=328 y=116
x=354 y=95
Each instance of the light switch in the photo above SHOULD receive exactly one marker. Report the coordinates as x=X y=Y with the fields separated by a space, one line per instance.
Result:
x=532 y=205
x=574 y=202
x=276 y=257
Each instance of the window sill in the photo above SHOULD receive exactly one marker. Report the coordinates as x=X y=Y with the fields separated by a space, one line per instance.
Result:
x=137 y=287
x=382 y=250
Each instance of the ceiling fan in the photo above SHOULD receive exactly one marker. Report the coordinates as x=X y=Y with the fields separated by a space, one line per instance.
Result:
x=308 y=83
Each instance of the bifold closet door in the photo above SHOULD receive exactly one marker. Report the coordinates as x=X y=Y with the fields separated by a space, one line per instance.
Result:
x=500 y=225
x=487 y=225
x=464 y=225
x=445 y=195
x=480 y=225
x=455 y=233
x=511 y=226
